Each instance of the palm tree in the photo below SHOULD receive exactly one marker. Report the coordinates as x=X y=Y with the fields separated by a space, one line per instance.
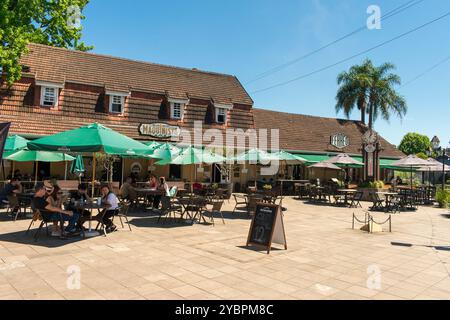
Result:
x=371 y=90
x=354 y=89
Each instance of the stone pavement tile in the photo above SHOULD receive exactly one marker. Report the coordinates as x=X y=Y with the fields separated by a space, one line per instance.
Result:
x=118 y=294
x=323 y=290
x=307 y=294
x=148 y=288
x=164 y=295
x=7 y=289
x=16 y=258
x=227 y=293
x=385 y=296
x=208 y=285
x=362 y=291
x=170 y=283
x=187 y=291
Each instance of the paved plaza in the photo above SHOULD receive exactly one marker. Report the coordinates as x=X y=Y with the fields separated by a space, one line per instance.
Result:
x=325 y=259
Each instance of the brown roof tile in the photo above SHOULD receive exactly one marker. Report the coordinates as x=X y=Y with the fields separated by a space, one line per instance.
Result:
x=308 y=133
x=117 y=74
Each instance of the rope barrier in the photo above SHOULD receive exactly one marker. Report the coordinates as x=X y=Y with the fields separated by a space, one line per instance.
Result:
x=369 y=218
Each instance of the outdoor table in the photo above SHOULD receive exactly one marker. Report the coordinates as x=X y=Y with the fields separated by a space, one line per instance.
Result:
x=320 y=193
x=90 y=206
x=388 y=196
x=145 y=192
x=346 y=193
x=193 y=204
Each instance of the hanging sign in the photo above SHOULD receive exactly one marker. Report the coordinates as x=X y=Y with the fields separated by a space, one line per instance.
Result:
x=267 y=227
x=159 y=130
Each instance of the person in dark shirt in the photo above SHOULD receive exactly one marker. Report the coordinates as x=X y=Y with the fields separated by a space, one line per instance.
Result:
x=8 y=195
x=41 y=203
x=80 y=195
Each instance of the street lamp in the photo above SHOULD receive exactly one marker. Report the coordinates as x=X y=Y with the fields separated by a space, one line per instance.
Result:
x=435 y=143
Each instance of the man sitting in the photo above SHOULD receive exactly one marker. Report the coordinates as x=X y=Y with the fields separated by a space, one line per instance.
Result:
x=127 y=191
x=8 y=195
x=54 y=213
x=80 y=195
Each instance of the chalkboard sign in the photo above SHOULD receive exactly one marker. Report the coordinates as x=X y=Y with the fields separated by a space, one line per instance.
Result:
x=267 y=225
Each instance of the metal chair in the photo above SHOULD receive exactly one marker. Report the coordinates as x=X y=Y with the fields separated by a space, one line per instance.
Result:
x=123 y=213
x=378 y=204
x=46 y=219
x=240 y=201
x=356 y=200
x=216 y=208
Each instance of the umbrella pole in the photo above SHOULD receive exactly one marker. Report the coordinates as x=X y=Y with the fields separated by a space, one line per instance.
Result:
x=93 y=173
x=65 y=171
x=36 y=173
x=3 y=170
x=123 y=167
x=13 y=168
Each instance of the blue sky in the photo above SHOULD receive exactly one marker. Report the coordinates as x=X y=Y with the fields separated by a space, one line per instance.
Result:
x=249 y=37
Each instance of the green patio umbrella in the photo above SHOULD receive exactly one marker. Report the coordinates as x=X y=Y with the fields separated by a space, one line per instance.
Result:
x=152 y=144
x=15 y=142
x=192 y=155
x=36 y=156
x=91 y=138
x=165 y=151
x=77 y=166
x=288 y=157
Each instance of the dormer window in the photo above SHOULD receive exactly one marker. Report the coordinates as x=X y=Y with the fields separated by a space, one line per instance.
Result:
x=177 y=108
x=49 y=96
x=49 y=93
x=176 y=111
x=116 y=102
x=222 y=112
x=221 y=115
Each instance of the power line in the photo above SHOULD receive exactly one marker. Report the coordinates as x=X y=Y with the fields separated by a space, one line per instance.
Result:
x=426 y=72
x=353 y=56
x=390 y=14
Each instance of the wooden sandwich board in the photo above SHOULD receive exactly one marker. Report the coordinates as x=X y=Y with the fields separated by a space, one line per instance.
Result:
x=267 y=227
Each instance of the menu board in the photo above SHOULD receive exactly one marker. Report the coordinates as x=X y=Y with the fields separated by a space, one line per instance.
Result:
x=267 y=226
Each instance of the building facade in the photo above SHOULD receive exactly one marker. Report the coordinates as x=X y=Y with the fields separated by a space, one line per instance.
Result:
x=63 y=89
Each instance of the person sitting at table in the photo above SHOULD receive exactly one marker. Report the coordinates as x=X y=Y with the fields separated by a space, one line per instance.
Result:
x=17 y=174
x=9 y=193
x=80 y=195
x=110 y=200
x=399 y=180
x=163 y=187
x=127 y=191
x=153 y=185
x=56 y=199
x=42 y=203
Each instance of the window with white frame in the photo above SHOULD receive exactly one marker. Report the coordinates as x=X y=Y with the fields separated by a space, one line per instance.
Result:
x=116 y=103
x=49 y=96
x=176 y=110
x=221 y=115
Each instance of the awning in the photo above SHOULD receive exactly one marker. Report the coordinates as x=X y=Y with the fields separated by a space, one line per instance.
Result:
x=314 y=158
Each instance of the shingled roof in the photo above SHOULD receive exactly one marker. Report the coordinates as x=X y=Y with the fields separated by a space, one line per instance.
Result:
x=58 y=65
x=313 y=134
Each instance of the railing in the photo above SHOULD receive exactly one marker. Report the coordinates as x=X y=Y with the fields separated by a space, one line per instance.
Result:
x=369 y=221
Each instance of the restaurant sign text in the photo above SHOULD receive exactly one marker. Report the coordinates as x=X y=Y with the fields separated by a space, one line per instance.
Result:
x=159 y=130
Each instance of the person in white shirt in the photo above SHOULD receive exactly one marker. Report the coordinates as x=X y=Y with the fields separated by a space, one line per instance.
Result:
x=163 y=187
x=110 y=200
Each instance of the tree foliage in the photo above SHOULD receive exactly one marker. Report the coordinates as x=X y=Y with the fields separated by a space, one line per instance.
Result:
x=50 y=22
x=415 y=143
x=372 y=90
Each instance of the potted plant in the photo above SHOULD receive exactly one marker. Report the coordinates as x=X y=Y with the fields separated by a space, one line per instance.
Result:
x=370 y=187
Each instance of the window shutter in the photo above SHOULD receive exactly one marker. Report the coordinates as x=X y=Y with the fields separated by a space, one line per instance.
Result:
x=210 y=116
x=102 y=104
x=164 y=110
